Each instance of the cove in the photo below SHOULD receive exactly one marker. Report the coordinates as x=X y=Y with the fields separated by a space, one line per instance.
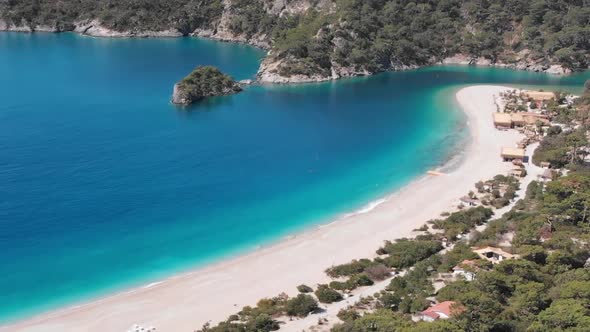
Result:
x=105 y=185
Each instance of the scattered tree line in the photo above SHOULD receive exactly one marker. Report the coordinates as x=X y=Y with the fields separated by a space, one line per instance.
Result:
x=567 y=147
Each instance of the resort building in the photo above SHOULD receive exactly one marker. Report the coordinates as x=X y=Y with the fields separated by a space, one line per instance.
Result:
x=510 y=154
x=443 y=310
x=519 y=119
x=530 y=118
x=492 y=254
x=502 y=120
x=469 y=201
x=466 y=269
x=517 y=172
x=540 y=95
x=547 y=175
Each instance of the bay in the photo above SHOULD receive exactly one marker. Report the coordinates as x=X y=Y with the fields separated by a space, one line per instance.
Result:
x=105 y=185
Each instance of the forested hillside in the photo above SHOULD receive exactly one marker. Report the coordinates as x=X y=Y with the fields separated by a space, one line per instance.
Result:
x=333 y=38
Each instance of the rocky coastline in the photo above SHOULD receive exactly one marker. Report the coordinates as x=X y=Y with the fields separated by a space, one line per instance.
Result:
x=269 y=68
x=92 y=28
x=521 y=64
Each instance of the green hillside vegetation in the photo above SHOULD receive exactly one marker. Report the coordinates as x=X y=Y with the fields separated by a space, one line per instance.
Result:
x=548 y=289
x=376 y=35
x=120 y=15
x=566 y=148
x=366 y=35
x=261 y=317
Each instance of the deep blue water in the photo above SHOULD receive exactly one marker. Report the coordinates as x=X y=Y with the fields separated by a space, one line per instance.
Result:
x=104 y=184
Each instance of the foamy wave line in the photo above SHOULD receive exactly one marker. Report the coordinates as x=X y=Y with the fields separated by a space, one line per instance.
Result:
x=152 y=284
x=367 y=208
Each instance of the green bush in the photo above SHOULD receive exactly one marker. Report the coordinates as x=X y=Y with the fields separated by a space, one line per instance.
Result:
x=404 y=253
x=348 y=314
x=327 y=295
x=301 y=305
x=348 y=269
x=361 y=280
x=378 y=272
x=462 y=221
x=304 y=289
x=561 y=149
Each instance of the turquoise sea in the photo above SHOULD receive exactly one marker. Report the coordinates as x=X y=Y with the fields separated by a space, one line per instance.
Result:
x=105 y=185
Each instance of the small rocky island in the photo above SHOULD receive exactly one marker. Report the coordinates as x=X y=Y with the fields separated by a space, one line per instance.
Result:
x=203 y=82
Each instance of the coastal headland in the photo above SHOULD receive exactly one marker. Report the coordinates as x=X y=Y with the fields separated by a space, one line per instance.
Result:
x=187 y=301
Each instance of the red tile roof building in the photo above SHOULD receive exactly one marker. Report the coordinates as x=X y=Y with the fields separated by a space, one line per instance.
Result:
x=442 y=310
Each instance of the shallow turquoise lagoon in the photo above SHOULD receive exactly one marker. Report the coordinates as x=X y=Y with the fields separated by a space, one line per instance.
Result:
x=105 y=185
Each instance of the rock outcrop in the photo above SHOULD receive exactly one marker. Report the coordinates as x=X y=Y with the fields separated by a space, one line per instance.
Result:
x=203 y=82
x=95 y=29
x=89 y=28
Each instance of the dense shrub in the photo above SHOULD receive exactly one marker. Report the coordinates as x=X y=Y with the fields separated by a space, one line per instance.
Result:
x=348 y=269
x=327 y=295
x=378 y=272
x=304 y=289
x=561 y=149
x=462 y=221
x=348 y=314
x=404 y=253
x=301 y=305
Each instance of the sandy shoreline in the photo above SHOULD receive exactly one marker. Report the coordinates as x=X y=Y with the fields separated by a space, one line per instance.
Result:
x=185 y=302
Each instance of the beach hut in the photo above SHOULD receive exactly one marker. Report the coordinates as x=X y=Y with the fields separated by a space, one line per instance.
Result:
x=547 y=175
x=443 y=310
x=517 y=162
x=517 y=172
x=492 y=254
x=517 y=119
x=510 y=154
x=531 y=118
x=539 y=95
x=502 y=120
x=466 y=269
x=469 y=201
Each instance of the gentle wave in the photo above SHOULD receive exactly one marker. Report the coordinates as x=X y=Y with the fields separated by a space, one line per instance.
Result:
x=152 y=284
x=367 y=207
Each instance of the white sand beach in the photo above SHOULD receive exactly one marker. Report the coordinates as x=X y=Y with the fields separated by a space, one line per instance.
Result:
x=186 y=302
